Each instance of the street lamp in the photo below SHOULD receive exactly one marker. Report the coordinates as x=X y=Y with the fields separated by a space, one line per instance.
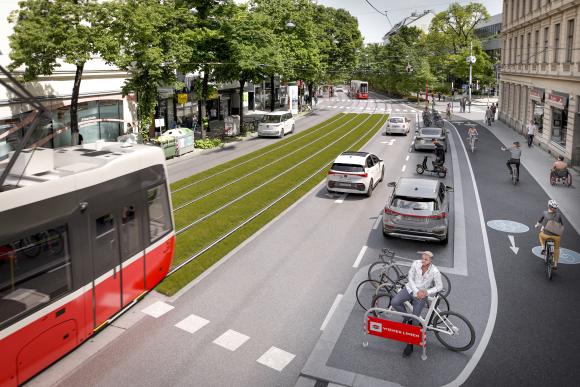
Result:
x=471 y=61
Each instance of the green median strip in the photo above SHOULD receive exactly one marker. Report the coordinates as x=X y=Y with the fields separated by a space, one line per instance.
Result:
x=211 y=229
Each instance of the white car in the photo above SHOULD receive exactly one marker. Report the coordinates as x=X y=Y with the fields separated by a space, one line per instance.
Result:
x=398 y=124
x=276 y=124
x=355 y=172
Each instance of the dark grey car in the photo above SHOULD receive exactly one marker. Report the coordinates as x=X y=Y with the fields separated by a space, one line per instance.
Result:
x=424 y=138
x=417 y=209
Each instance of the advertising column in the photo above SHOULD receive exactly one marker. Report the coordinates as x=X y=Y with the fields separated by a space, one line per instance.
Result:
x=293 y=99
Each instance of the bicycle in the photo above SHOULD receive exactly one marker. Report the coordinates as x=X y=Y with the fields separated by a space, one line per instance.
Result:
x=389 y=270
x=515 y=176
x=472 y=140
x=454 y=331
x=549 y=257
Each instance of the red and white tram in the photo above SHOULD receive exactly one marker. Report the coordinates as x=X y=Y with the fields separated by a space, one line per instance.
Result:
x=83 y=233
x=359 y=89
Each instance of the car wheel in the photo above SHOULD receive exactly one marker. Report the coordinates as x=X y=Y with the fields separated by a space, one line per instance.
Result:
x=382 y=174
x=446 y=240
x=370 y=190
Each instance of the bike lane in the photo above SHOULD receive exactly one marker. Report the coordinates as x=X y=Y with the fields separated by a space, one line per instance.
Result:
x=535 y=334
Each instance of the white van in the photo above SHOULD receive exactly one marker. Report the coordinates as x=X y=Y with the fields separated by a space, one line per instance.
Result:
x=276 y=124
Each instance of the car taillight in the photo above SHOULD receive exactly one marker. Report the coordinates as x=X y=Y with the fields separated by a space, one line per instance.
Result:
x=388 y=211
x=442 y=215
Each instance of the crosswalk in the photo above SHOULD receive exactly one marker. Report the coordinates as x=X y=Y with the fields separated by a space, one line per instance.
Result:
x=231 y=340
x=371 y=108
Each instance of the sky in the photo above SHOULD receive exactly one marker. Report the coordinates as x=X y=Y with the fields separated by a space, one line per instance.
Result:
x=374 y=25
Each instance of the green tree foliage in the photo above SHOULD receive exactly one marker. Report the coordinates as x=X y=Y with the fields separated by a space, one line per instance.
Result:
x=49 y=31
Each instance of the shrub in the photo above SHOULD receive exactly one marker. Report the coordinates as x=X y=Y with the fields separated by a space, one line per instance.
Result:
x=208 y=143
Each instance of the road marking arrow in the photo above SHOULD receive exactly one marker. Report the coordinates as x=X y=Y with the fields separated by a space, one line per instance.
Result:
x=513 y=244
x=390 y=142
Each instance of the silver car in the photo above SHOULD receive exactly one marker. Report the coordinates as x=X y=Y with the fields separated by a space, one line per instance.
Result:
x=424 y=138
x=417 y=209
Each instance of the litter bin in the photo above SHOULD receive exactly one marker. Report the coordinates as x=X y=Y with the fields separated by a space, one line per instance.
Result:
x=167 y=144
x=183 y=139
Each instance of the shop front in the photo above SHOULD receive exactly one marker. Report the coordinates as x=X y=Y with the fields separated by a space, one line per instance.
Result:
x=537 y=98
x=558 y=103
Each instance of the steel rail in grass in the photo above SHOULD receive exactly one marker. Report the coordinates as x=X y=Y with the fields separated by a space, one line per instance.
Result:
x=212 y=213
x=183 y=205
x=286 y=143
x=266 y=208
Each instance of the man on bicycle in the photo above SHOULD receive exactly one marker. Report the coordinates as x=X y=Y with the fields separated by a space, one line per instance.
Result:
x=472 y=132
x=551 y=215
x=424 y=279
x=515 y=155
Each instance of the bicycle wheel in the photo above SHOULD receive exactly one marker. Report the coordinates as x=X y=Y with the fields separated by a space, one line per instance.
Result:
x=380 y=301
x=365 y=291
x=457 y=333
x=446 y=285
x=376 y=271
x=549 y=262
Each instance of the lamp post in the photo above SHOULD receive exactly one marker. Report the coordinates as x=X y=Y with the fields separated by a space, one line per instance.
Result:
x=471 y=61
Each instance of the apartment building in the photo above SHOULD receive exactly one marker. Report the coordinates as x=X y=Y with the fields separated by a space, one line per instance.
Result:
x=540 y=73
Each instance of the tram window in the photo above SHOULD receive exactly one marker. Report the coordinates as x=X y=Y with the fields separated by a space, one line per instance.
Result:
x=159 y=215
x=130 y=233
x=34 y=270
x=105 y=224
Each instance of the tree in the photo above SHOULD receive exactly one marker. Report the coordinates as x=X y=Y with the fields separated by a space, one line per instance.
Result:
x=47 y=31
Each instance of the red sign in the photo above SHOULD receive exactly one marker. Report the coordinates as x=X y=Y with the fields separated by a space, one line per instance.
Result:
x=410 y=334
x=536 y=94
x=557 y=100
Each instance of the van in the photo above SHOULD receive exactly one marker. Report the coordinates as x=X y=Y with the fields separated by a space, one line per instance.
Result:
x=276 y=124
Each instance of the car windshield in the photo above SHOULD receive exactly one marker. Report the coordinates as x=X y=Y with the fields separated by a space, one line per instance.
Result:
x=397 y=120
x=431 y=132
x=347 y=167
x=271 y=119
x=417 y=204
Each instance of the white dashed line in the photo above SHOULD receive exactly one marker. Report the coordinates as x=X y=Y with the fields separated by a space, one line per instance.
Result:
x=407 y=158
x=231 y=340
x=192 y=323
x=376 y=225
x=331 y=311
x=340 y=199
x=276 y=358
x=360 y=256
x=157 y=309
x=403 y=169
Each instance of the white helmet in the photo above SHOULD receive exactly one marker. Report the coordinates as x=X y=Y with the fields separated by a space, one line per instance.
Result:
x=552 y=203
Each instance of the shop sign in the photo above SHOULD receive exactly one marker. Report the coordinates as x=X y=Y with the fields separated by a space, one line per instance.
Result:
x=557 y=100
x=536 y=94
x=181 y=98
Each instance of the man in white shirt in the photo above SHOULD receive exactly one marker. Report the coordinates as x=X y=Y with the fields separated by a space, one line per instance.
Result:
x=531 y=129
x=424 y=279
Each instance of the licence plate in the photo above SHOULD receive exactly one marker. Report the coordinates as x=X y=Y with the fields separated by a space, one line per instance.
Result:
x=416 y=219
x=343 y=185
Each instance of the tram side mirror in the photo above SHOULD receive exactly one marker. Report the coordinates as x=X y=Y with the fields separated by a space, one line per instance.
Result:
x=392 y=184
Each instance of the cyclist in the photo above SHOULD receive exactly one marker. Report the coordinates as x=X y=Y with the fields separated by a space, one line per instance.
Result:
x=552 y=214
x=448 y=111
x=472 y=132
x=424 y=280
x=515 y=155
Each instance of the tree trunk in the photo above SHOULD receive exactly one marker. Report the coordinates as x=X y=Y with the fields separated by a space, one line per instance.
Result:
x=310 y=96
x=74 y=104
x=272 y=102
x=204 y=96
x=242 y=83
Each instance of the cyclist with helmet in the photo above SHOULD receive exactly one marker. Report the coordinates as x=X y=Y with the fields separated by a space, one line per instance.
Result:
x=552 y=214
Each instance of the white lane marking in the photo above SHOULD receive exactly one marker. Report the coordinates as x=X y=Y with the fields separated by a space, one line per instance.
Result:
x=472 y=363
x=331 y=311
x=376 y=224
x=157 y=309
x=397 y=110
x=231 y=340
x=360 y=256
x=192 y=323
x=404 y=167
x=513 y=244
x=276 y=358
x=407 y=158
x=340 y=199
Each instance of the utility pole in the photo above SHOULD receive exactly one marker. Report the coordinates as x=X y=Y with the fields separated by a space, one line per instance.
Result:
x=471 y=60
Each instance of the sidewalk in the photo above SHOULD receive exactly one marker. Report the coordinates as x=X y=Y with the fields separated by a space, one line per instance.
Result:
x=538 y=163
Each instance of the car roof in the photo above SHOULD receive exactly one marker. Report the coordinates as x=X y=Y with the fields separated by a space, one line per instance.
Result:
x=417 y=188
x=277 y=113
x=431 y=127
x=352 y=158
x=396 y=117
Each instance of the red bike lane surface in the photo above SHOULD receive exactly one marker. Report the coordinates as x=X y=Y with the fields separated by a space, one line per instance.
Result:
x=535 y=335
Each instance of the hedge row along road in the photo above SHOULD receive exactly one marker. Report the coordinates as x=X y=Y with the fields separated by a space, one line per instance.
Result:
x=218 y=209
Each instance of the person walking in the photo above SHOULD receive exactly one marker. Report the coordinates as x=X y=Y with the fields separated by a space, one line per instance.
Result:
x=424 y=279
x=488 y=116
x=531 y=128
x=493 y=110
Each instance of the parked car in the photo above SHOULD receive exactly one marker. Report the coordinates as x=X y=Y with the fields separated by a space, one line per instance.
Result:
x=276 y=124
x=424 y=138
x=398 y=124
x=417 y=209
x=355 y=172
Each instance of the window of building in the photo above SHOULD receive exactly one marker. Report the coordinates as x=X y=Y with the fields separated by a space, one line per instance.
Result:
x=34 y=271
x=536 y=45
x=556 y=42
x=159 y=214
x=522 y=48
x=512 y=13
x=546 y=37
x=515 y=51
x=559 y=126
x=570 y=41
x=528 y=48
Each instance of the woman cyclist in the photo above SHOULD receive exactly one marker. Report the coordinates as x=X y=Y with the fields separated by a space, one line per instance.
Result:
x=555 y=215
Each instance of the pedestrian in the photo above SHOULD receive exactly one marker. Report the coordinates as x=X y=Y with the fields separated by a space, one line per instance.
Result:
x=488 y=116
x=493 y=110
x=81 y=140
x=315 y=100
x=433 y=102
x=424 y=279
x=531 y=130
x=439 y=96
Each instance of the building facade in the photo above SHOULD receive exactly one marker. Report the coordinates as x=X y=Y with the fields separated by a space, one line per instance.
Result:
x=540 y=72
